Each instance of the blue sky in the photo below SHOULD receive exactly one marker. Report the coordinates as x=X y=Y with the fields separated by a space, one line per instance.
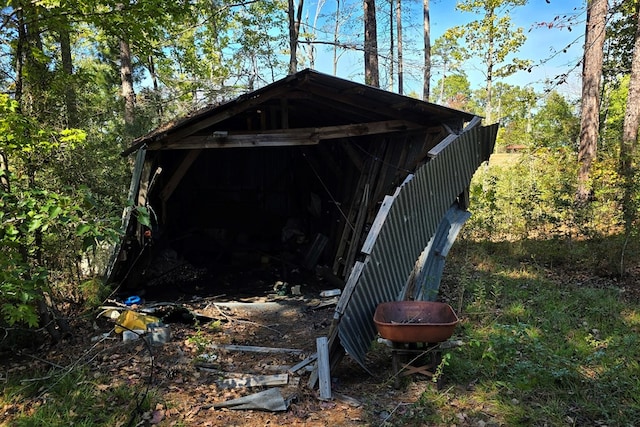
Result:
x=545 y=45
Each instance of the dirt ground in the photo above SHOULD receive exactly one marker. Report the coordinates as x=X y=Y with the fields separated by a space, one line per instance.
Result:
x=187 y=375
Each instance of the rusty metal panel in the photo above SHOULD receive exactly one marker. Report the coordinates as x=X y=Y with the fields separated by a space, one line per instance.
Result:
x=404 y=231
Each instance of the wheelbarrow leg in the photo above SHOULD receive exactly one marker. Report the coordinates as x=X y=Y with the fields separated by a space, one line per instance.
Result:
x=396 y=369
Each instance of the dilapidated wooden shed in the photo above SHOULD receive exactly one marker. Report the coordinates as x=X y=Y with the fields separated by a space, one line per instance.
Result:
x=363 y=186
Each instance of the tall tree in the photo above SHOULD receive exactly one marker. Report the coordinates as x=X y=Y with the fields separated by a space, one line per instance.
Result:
x=64 y=34
x=336 y=32
x=628 y=146
x=591 y=83
x=492 y=38
x=371 y=70
x=128 y=92
x=392 y=38
x=399 y=40
x=294 y=31
x=448 y=57
x=426 y=86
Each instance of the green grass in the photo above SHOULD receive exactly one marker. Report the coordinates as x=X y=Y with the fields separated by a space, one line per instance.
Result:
x=70 y=397
x=504 y=159
x=537 y=351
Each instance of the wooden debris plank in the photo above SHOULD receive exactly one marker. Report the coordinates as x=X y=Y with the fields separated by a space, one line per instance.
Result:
x=324 y=373
x=254 y=381
x=302 y=364
x=313 y=378
x=327 y=303
x=349 y=288
x=255 y=349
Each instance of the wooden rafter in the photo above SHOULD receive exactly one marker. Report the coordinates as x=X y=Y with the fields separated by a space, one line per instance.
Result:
x=179 y=173
x=301 y=136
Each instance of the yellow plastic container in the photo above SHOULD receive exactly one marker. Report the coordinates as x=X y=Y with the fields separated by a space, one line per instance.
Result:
x=134 y=320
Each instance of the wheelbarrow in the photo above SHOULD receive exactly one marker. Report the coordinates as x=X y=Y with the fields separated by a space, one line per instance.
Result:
x=415 y=321
x=415 y=328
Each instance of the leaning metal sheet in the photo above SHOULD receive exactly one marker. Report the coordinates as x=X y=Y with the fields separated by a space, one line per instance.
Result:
x=411 y=222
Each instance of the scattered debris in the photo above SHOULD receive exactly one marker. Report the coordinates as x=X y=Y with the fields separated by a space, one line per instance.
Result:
x=131 y=320
x=268 y=400
x=295 y=368
x=347 y=399
x=324 y=372
x=254 y=381
x=132 y=335
x=325 y=303
x=330 y=293
x=174 y=312
x=255 y=349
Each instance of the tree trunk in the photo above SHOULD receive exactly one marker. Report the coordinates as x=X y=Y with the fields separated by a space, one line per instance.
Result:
x=628 y=146
x=371 y=73
x=156 y=88
x=591 y=79
x=392 y=51
x=336 y=40
x=67 y=68
x=489 y=59
x=427 y=51
x=5 y=186
x=20 y=48
x=399 y=29
x=128 y=94
x=294 y=30
x=19 y=70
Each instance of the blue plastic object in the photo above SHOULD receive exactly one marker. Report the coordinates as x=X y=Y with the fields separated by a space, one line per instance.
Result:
x=134 y=299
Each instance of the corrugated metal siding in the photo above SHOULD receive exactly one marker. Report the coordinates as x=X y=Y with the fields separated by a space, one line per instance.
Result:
x=430 y=265
x=405 y=229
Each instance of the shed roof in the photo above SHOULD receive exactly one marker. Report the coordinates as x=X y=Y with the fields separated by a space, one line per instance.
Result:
x=321 y=106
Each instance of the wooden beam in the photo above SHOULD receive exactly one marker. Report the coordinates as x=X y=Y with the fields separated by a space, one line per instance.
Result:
x=300 y=136
x=255 y=349
x=295 y=368
x=179 y=173
x=241 y=104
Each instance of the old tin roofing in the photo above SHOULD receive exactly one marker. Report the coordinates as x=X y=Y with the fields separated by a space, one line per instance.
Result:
x=404 y=227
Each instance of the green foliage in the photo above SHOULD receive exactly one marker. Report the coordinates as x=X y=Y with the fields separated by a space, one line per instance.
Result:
x=612 y=116
x=556 y=124
x=35 y=219
x=93 y=292
x=492 y=37
x=455 y=91
x=620 y=39
x=532 y=194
